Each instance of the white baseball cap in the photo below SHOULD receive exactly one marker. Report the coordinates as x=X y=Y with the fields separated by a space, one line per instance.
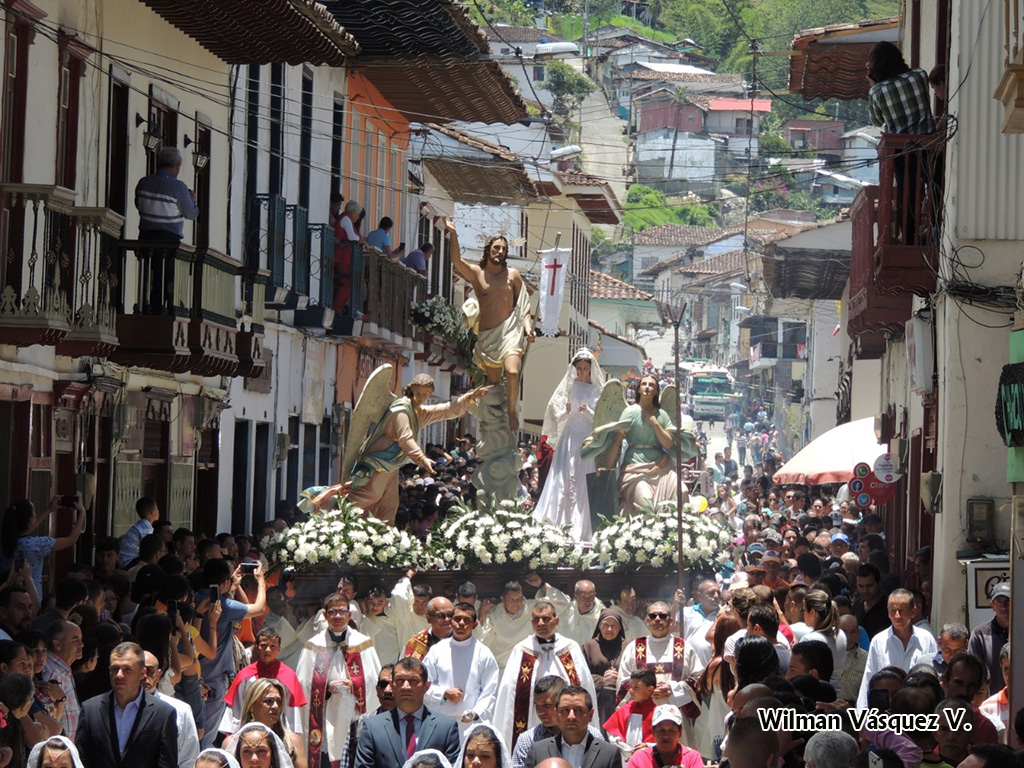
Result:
x=669 y=712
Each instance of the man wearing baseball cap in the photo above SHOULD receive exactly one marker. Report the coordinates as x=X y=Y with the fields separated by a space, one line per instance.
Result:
x=772 y=562
x=987 y=639
x=667 y=725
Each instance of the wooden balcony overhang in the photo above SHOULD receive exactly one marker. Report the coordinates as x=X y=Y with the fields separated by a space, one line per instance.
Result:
x=265 y=32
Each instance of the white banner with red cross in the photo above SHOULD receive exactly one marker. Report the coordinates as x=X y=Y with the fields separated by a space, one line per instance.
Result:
x=554 y=265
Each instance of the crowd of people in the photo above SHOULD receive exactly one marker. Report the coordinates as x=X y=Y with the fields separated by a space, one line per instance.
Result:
x=170 y=649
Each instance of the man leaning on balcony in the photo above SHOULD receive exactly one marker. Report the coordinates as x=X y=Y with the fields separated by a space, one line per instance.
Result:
x=163 y=203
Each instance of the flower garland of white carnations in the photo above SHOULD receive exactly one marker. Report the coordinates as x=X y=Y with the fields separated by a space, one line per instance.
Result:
x=346 y=536
x=649 y=540
x=502 y=534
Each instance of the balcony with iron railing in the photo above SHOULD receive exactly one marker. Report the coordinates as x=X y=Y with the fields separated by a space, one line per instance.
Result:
x=318 y=312
x=871 y=315
x=909 y=213
x=1010 y=90
x=183 y=317
x=37 y=271
x=97 y=290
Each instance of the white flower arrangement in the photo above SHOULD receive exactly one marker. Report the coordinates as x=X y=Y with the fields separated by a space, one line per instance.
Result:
x=504 y=535
x=440 y=318
x=345 y=537
x=649 y=539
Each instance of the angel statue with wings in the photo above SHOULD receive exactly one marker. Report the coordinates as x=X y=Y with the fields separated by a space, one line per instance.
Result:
x=649 y=429
x=382 y=437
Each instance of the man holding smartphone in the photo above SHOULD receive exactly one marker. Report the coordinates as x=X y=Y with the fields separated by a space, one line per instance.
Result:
x=216 y=671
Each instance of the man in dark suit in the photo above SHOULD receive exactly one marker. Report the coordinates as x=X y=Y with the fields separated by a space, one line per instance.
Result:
x=390 y=738
x=574 y=744
x=127 y=726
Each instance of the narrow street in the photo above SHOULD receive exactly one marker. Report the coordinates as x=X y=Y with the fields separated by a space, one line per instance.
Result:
x=604 y=147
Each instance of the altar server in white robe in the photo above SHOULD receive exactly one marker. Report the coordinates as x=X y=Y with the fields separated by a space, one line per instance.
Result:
x=463 y=673
x=543 y=653
x=579 y=620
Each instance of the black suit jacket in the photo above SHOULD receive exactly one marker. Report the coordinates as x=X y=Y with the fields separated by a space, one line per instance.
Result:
x=153 y=741
x=380 y=740
x=598 y=754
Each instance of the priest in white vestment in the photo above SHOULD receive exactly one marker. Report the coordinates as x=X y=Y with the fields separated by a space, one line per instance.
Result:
x=543 y=653
x=338 y=669
x=509 y=622
x=673 y=661
x=579 y=620
x=463 y=673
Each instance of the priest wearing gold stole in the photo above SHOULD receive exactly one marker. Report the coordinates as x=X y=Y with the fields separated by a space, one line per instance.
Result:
x=673 y=661
x=338 y=668
x=543 y=653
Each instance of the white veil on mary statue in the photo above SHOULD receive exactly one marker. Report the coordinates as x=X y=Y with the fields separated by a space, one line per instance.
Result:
x=568 y=421
x=556 y=413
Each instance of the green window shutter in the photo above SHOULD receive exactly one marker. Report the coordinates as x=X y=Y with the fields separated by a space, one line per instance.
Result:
x=182 y=488
x=127 y=490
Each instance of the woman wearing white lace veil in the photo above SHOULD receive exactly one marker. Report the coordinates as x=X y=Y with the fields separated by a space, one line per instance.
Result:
x=568 y=421
x=215 y=758
x=59 y=751
x=256 y=739
x=483 y=747
x=427 y=758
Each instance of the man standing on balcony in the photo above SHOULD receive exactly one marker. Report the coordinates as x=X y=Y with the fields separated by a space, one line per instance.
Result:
x=163 y=203
x=500 y=315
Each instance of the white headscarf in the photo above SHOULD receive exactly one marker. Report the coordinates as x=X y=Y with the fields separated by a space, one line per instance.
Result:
x=283 y=758
x=224 y=755
x=555 y=414
x=417 y=756
x=504 y=757
x=35 y=757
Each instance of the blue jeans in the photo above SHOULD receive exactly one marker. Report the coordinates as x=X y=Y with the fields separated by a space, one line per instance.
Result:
x=188 y=690
x=215 y=706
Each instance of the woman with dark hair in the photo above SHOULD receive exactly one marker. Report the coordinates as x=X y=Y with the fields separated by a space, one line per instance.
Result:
x=17 y=692
x=756 y=661
x=19 y=521
x=822 y=616
x=602 y=653
x=713 y=687
x=483 y=748
x=50 y=700
x=153 y=633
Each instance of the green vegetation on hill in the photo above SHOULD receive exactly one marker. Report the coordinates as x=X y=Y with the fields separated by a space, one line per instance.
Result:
x=646 y=207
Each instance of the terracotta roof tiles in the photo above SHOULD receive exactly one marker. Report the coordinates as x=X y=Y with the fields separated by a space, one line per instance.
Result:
x=678 y=234
x=603 y=286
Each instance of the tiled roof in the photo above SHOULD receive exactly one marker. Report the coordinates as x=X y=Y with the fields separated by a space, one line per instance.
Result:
x=684 y=77
x=582 y=179
x=512 y=34
x=423 y=57
x=604 y=286
x=730 y=261
x=678 y=234
x=271 y=32
x=605 y=332
x=828 y=62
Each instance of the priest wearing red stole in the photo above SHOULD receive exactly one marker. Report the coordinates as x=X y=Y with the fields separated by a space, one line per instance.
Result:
x=339 y=668
x=268 y=646
x=543 y=653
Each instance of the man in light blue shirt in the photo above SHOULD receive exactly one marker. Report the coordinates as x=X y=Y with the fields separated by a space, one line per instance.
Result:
x=380 y=239
x=128 y=548
x=217 y=671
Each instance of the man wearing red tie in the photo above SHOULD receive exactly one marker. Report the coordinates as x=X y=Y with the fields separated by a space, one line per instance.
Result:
x=391 y=738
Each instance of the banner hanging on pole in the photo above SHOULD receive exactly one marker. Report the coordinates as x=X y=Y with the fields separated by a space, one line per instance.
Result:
x=554 y=265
